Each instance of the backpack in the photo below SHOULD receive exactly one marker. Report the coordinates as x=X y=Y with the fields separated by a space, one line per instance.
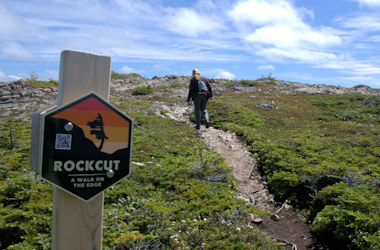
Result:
x=202 y=86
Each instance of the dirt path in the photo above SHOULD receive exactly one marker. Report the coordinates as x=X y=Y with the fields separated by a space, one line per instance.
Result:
x=286 y=227
x=250 y=186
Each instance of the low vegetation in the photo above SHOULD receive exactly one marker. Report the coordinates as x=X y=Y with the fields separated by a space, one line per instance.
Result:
x=172 y=200
x=319 y=151
x=142 y=90
x=37 y=83
x=43 y=84
x=116 y=75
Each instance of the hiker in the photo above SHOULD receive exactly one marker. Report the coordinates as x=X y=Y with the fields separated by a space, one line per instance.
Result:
x=200 y=91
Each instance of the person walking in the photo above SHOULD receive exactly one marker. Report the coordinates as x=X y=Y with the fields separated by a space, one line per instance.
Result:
x=200 y=92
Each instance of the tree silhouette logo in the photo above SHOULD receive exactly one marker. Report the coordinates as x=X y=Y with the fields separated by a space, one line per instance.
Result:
x=98 y=129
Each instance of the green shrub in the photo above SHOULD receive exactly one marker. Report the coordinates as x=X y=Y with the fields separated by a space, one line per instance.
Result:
x=135 y=75
x=360 y=86
x=116 y=75
x=221 y=113
x=179 y=194
x=269 y=77
x=43 y=84
x=244 y=82
x=142 y=90
x=321 y=152
x=25 y=202
x=349 y=216
x=285 y=185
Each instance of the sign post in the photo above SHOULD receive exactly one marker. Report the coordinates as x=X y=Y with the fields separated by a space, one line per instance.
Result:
x=78 y=224
x=57 y=138
x=82 y=147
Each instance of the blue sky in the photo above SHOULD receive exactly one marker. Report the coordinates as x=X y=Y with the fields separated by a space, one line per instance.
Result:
x=310 y=41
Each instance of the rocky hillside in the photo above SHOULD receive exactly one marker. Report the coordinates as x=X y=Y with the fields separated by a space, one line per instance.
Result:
x=19 y=99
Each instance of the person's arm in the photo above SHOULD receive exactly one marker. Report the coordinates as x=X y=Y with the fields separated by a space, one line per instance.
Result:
x=209 y=89
x=191 y=89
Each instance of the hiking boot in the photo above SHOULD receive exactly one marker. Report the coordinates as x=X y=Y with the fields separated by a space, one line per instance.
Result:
x=207 y=124
x=197 y=127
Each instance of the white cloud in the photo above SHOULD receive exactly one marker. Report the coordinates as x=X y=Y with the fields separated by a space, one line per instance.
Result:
x=275 y=29
x=226 y=75
x=14 y=31
x=303 y=55
x=363 y=80
x=376 y=38
x=370 y=3
x=266 y=67
x=262 y=12
x=50 y=74
x=286 y=37
x=116 y=28
x=11 y=24
x=349 y=66
x=127 y=70
x=363 y=68
x=189 y=22
x=203 y=30
x=16 y=51
x=8 y=78
x=364 y=22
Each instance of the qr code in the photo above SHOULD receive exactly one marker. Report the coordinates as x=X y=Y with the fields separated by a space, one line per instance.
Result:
x=63 y=141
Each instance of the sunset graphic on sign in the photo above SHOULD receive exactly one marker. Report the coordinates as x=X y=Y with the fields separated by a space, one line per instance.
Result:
x=100 y=124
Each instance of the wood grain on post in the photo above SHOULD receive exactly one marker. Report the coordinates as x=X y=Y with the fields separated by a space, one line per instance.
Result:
x=78 y=224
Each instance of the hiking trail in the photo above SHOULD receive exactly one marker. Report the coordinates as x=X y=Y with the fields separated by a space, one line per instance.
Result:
x=284 y=225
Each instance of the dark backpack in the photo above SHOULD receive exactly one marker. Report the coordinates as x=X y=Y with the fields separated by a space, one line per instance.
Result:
x=202 y=86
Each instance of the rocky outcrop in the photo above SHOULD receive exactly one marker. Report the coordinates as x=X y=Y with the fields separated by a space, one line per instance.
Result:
x=325 y=89
x=22 y=91
x=19 y=99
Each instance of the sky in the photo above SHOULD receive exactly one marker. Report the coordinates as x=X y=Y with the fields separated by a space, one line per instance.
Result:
x=335 y=42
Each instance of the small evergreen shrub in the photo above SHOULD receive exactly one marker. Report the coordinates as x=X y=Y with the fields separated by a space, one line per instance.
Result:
x=142 y=90
x=116 y=75
x=43 y=84
x=321 y=152
x=179 y=194
x=361 y=86
x=348 y=216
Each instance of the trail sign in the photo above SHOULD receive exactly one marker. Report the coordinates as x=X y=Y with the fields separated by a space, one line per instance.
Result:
x=86 y=146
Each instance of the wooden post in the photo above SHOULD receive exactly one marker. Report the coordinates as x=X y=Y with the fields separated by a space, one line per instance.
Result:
x=78 y=224
x=36 y=145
